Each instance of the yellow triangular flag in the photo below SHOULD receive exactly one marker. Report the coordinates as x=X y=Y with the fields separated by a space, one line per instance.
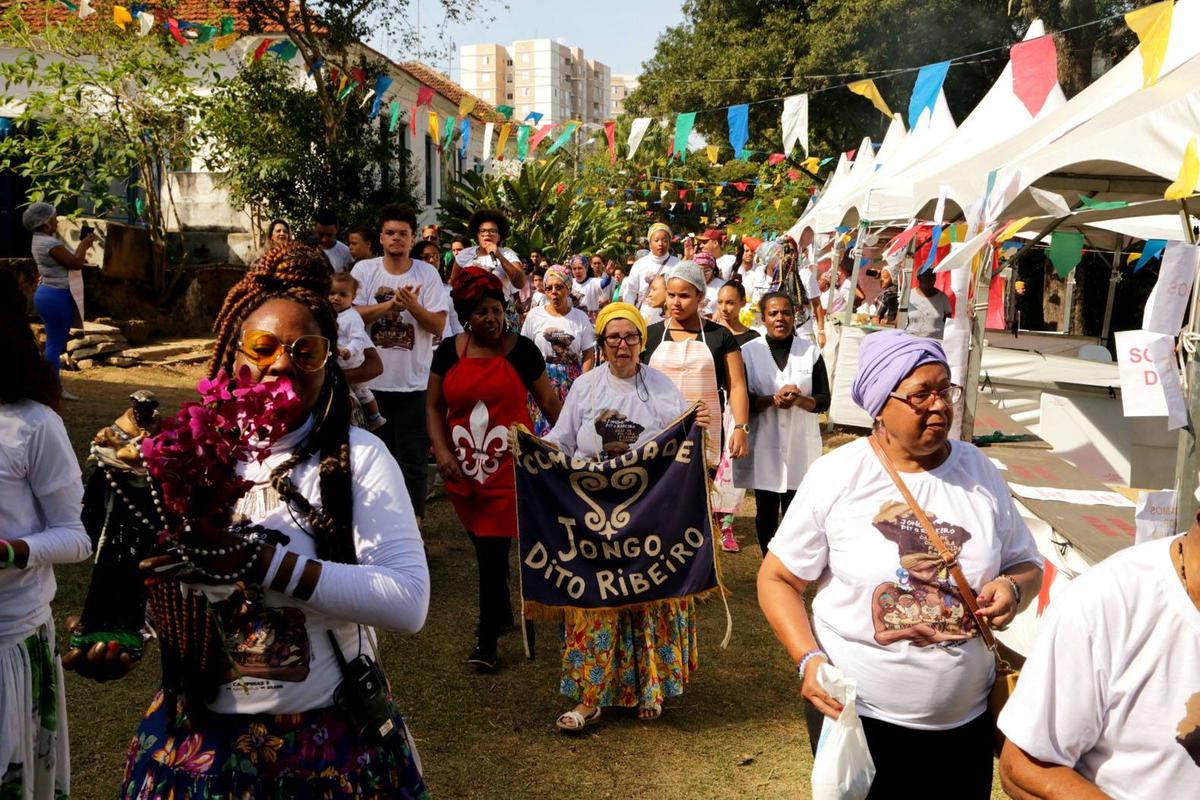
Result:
x=812 y=163
x=1152 y=24
x=466 y=104
x=1011 y=229
x=121 y=16
x=704 y=220
x=1185 y=185
x=503 y=139
x=712 y=153
x=717 y=191
x=433 y=127
x=777 y=202
x=868 y=90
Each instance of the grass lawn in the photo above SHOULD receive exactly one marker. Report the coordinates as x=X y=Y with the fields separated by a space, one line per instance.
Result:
x=737 y=732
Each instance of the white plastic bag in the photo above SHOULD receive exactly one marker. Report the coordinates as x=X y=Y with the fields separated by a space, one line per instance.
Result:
x=843 y=768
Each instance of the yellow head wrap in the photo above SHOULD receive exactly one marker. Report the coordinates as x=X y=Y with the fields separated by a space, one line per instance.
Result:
x=621 y=311
x=659 y=226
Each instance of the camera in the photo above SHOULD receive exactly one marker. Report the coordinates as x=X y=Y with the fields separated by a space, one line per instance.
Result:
x=362 y=697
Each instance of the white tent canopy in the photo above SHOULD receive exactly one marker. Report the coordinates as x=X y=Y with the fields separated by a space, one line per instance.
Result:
x=967 y=180
x=840 y=173
x=892 y=147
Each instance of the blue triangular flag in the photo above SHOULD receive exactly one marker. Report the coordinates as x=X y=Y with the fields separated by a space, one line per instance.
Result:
x=1152 y=250
x=381 y=85
x=738 y=127
x=925 y=90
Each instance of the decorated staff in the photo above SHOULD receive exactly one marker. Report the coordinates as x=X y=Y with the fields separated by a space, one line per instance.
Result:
x=478 y=385
x=625 y=652
x=40 y=493
x=291 y=549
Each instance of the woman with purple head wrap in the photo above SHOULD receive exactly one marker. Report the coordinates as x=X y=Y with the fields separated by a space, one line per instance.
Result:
x=888 y=613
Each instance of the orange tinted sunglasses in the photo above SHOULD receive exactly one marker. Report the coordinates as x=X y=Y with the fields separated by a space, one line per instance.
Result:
x=263 y=348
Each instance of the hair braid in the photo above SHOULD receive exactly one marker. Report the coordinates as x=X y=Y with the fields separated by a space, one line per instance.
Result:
x=302 y=274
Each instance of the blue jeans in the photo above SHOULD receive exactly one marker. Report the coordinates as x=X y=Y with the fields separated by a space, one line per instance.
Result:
x=56 y=307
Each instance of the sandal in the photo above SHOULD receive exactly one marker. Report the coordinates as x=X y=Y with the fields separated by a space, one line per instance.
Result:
x=572 y=721
x=650 y=713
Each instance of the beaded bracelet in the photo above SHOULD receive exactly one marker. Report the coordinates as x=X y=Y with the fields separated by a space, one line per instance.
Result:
x=804 y=659
x=1016 y=589
x=229 y=577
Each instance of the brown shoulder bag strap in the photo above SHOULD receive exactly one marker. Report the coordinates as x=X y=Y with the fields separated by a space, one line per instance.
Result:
x=943 y=552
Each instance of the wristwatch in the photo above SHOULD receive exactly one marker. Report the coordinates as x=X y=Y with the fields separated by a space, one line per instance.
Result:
x=744 y=427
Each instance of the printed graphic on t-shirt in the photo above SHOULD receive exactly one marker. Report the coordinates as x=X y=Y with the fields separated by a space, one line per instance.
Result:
x=617 y=432
x=923 y=604
x=561 y=341
x=1188 y=733
x=267 y=642
x=390 y=330
x=577 y=299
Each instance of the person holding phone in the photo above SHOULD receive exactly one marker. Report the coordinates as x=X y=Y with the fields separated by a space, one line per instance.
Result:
x=59 y=295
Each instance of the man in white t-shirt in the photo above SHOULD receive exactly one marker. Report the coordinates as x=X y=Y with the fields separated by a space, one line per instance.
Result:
x=1108 y=704
x=325 y=233
x=404 y=304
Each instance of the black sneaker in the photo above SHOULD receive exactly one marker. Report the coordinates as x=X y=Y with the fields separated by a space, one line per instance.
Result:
x=483 y=660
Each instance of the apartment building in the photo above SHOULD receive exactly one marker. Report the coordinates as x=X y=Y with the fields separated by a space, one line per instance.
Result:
x=622 y=86
x=538 y=75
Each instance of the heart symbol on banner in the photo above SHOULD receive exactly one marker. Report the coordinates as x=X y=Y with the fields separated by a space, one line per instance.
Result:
x=598 y=520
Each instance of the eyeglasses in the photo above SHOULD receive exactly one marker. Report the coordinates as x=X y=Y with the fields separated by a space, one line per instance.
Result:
x=616 y=339
x=555 y=287
x=923 y=400
x=263 y=348
x=490 y=230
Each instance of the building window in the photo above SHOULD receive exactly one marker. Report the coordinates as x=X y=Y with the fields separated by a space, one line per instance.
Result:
x=508 y=61
x=509 y=96
x=487 y=59
x=524 y=91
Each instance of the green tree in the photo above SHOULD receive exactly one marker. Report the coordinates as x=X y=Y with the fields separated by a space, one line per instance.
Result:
x=544 y=208
x=265 y=137
x=104 y=118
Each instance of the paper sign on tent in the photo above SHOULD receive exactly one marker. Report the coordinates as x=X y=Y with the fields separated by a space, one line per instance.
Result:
x=1169 y=298
x=1154 y=516
x=1150 y=384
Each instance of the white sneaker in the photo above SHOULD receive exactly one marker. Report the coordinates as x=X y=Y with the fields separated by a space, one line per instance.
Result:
x=68 y=396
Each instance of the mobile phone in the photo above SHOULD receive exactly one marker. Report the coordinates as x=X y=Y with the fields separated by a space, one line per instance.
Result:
x=86 y=230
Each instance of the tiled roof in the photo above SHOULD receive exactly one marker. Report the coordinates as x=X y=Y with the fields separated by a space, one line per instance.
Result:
x=38 y=12
x=450 y=90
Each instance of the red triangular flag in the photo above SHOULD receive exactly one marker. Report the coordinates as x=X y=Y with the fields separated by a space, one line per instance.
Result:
x=1049 y=573
x=1034 y=71
x=775 y=158
x=850 y=154
x=793 y=174
x=258 y=51
x=173 y=27
x=359 y=76
x=689 y=206
x=682 y=193
x=412 y=121
x=424 y=96
x=610 y=132
x=740 y=185
x=538 y=135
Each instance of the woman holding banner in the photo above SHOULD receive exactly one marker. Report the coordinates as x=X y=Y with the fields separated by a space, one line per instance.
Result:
x=478 y=385
x=907 y=533
x=788 y=388
x=633 y=658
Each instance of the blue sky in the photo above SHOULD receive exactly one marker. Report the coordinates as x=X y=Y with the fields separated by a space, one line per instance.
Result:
x=620 y=33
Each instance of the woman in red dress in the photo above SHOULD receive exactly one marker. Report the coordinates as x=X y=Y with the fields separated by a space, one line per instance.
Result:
x=478 y=385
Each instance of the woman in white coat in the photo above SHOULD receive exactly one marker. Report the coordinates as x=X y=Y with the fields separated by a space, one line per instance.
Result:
x=788 y=387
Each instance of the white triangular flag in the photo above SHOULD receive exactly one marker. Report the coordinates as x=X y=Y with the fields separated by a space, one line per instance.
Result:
x=85 y=9
x=487 y=140
x=1050 y=202
x=145 y=23
x=795 y=123
x=636 y=131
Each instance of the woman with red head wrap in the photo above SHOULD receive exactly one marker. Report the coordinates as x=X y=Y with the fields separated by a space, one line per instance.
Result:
x=478 y=383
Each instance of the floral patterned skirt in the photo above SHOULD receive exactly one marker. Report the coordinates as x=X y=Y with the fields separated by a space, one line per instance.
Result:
x=265 y=756
x=561 y=377
x=629 y=657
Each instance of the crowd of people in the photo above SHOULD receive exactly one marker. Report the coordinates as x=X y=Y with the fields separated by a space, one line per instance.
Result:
x=407 y=351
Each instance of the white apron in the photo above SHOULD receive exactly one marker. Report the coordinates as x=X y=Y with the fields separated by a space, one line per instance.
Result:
x=689 y=365
x=783 y=442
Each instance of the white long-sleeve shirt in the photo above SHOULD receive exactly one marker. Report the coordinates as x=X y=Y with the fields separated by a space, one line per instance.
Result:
x=636 y=287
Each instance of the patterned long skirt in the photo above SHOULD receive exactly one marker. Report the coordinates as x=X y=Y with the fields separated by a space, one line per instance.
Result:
x=630 y=658
x=265 y=756
x=561 y=377
x=35 y=761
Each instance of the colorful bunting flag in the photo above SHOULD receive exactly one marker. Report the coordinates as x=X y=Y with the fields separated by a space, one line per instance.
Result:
x=925 y=91
x=1066 y=250
x=434 y=127
x=713 y=153
x=177 y=34
x=1012 y=228
x=522 y=141
x=565 y=136
x=488 y=129
x=1185 y=185
x=1153 y=249
x=795 y=123
x=464 y=126
x=466 y=104
x=775 y=158
x=85 y=9
x=145 y=22
x=396 y=117
x=424 y=96
x=1152 y=24
x=505 y=111
x=869 y=90
x=381 y=85
x=121 y=16
x=261 y=50
x=534 y=116
x=738 y=118
x=637 y=130
x=285 y=50
x=207 y=32
x=1100 y=205
x=448 y=127
x=683 y=129
x=1034 y=71
x=610 y=133
x=541 y=133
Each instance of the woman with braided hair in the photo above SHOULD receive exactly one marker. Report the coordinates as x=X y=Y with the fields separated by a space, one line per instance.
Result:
x=285 y=715
x=478 y=385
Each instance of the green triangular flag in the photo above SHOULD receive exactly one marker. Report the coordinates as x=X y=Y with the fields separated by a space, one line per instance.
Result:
x=207 y=32
x=1066 y=250
x=1100 y=205
x=522 y=142
x=683 y=128
x=226 y=26
x=449 y=126
x=287 y=51
x=505 y=111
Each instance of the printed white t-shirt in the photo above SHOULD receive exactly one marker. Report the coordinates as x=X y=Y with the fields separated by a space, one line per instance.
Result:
x=636 y=286
x=725 y=265
x=604 y=416
x=850 y=530
x=404 y=346
x=1112 y=687
x=562 y=340
x=339 y=256
x=589 y=295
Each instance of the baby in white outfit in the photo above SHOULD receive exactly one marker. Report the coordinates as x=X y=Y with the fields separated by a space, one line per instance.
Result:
x=352 y=343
